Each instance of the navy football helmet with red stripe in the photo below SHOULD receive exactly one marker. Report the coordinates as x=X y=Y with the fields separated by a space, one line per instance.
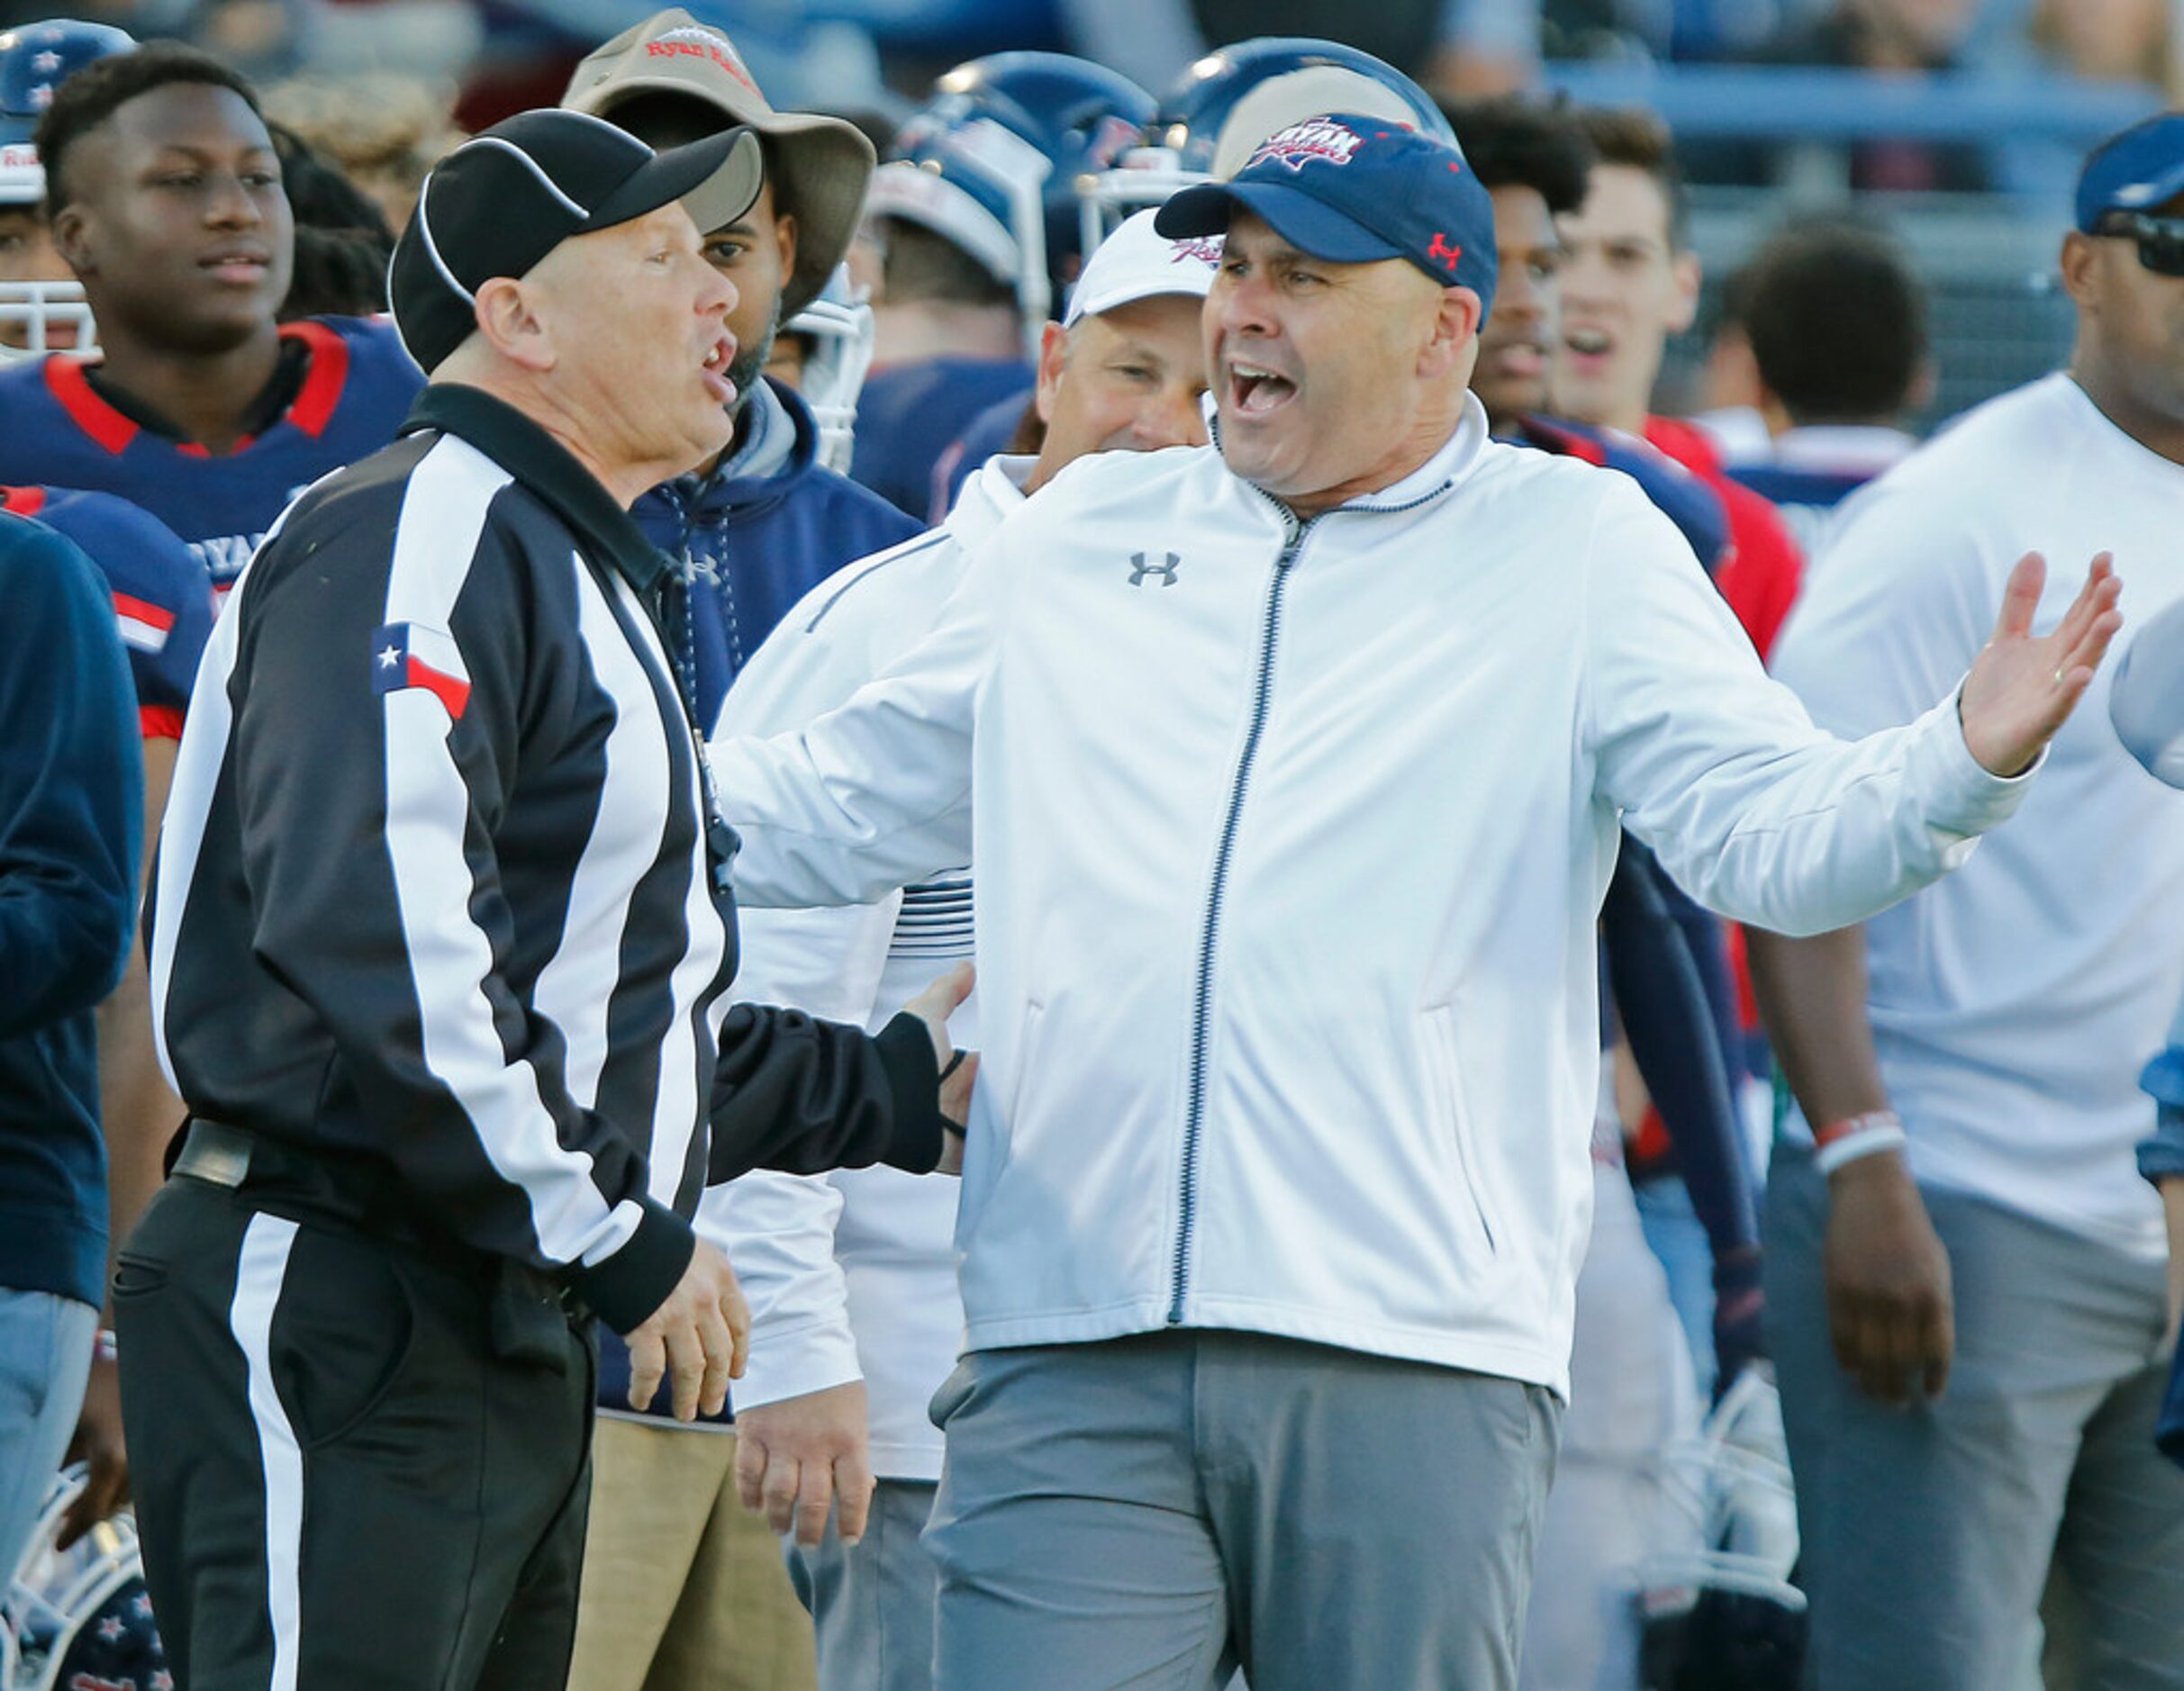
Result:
x=38 y=313
x=993 y=160
x=1234 y=98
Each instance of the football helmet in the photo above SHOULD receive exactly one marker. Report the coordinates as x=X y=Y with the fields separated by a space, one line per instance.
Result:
x=1233 y=99
x=80 y=1616
x=34 y=60
x=837 y=328
x=1727 y=1617
x=993 y=159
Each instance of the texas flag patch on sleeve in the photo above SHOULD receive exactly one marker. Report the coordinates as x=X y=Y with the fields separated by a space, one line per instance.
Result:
x=410 y=654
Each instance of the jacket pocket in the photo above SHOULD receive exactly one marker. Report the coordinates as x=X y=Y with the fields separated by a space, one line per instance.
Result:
x=1449 y=1116
x=136 y=1276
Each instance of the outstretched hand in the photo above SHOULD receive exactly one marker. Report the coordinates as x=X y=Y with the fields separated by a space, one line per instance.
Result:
x=2022 y=690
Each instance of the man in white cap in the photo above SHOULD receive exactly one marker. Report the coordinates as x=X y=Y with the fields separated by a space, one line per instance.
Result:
x=853 y=1281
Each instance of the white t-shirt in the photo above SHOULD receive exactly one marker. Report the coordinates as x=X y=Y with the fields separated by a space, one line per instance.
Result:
x=2013 y=1002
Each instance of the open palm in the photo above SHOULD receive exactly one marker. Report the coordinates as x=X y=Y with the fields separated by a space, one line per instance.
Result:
x=2022 y=690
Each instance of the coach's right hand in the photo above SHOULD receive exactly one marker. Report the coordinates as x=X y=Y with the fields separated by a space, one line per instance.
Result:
x=1891 y=1309
x=698 y=1338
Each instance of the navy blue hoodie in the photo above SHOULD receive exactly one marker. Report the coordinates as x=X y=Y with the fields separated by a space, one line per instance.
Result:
x=71 y=831
x=765 y=527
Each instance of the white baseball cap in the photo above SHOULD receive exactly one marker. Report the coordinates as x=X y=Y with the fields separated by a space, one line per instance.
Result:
x=1138 y=263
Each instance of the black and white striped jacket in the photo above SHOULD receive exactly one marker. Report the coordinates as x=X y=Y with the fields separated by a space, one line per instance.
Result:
x=435 y=892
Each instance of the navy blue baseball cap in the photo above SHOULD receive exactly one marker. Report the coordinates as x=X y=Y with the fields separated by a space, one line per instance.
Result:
x=1356 y=190
x=2134 y=171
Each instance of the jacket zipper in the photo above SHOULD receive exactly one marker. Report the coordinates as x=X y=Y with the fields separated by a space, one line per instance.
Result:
x=1202 y=1013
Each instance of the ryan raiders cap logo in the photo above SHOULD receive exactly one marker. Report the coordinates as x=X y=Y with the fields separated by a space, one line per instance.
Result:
x=1316 y=137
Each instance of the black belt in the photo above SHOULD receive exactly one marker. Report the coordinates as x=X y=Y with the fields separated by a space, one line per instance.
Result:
x=355 y=1194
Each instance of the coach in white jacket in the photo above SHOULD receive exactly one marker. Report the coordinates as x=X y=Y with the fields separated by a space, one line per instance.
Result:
x=852 y=1280
x=1292 y=771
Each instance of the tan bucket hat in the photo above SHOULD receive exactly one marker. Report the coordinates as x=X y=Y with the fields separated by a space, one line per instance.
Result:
x=821 y=164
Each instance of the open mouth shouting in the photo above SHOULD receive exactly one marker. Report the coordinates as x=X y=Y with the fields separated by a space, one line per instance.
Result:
x=713 y=371
x=1254 y=391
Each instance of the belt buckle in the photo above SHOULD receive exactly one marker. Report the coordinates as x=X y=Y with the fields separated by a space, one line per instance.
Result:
x=223 y=1159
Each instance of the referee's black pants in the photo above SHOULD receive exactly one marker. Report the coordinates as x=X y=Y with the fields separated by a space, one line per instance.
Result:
x=360 y=1464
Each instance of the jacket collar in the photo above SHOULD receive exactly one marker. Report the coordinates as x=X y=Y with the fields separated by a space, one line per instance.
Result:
x=546 y=469
x=995 y=489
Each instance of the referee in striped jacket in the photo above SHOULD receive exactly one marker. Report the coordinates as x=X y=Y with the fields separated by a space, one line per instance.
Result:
x=440 y=950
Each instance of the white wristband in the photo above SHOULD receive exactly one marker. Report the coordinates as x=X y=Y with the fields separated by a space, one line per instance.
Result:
x=1865 y=1143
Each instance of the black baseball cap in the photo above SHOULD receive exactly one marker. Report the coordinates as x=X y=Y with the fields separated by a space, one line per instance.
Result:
x=501 y=201
x=1354 y=189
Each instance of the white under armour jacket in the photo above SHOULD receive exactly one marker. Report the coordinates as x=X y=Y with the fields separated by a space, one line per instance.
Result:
x=855 y=1278
x=1290 y=839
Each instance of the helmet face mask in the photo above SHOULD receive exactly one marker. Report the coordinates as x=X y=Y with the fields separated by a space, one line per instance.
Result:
x=837 y=328
x=80 y=1616
x=1727 y=1615
x=40 y=317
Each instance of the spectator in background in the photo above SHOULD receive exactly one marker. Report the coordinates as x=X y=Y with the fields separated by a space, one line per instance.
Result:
x=1466 y=49
x=2110 y=40
x=2146 y=705
x=41 y=300
x=1892 y=38
x=1630 y=280
x=971 y=271
x=681 y=1586
x=69 y=848
x=382 y=133
x=342 y=243
x=163 y=611
x=165 y=193
x=1837 y=325
x=1970 y=1325
x=1728 y=381
x=1632 y=1399
x=763 y=521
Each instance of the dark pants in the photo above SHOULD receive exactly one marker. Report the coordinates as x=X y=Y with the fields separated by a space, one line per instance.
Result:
x=358 y=1463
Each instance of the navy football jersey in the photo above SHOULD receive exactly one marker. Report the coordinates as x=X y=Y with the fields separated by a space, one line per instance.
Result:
x=162 y=603
x=56 y=429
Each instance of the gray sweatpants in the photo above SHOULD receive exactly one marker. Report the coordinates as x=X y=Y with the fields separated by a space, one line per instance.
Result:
x=872 y=1602
x=1927 y=1533
x=1152 y=1511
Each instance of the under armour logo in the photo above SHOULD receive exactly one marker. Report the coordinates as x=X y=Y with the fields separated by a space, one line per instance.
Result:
x=1140 y=569
x=1442 y=253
